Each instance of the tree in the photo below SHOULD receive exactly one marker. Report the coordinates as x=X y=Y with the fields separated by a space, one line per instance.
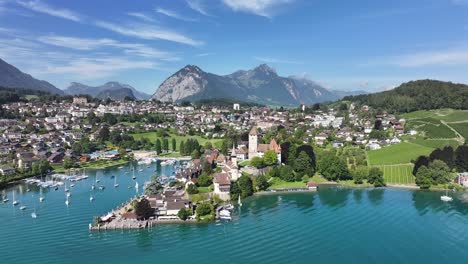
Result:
x=309 y=150
x=423 y=178
x=143 y=209
x=104 y=133
x=245 y=186
x=174 y=144
x=420 y=161
x=204 y=209
x=68 y=163
x=165 y=144
x=270 y=158
x=184 y=213
x=257 y=162
x=208 y=145
x=235 y=191
x=333 y=168
x=207 y=167
x=436 y=173
x=376 y=177
x=286 y=173
x=440 y=172
x=195 y=154
x=205 y=180
x=182 y=147
x=192 y=189
x=302 y=164
x=461 y=158
x=262 y=183
x=359 y=174
x=158 y=146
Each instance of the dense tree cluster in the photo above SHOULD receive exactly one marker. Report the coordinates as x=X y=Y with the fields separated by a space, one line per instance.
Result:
x=417 y=95
x=437 y=172
x=455 y=160
x=243 y=187
x=189 y=146
x=333 y=168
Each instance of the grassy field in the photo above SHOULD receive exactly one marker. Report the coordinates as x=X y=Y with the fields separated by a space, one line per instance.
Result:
x=430 y=122
x=397 y=154
x=99 y=164
x=447 y=115
x=152 y=136
x=398 y=174
x=461 y=128
x=434 y=143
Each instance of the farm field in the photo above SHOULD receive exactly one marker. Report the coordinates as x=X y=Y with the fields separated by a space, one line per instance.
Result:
x=431 y=127
x=435 y=143
x=398 y=174
x=397 y=154
x=461 y=128
x=447 y=115
x=152 y=136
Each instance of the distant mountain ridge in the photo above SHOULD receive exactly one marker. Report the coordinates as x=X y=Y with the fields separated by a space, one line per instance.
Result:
x=78 y=88
x=261 y=85
x=11 y=77
x=116 y=94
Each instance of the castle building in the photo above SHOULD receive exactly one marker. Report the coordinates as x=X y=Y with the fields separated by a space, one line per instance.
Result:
x=258 y=150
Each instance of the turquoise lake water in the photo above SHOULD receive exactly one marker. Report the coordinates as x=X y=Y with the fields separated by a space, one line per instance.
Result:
x=334 y=225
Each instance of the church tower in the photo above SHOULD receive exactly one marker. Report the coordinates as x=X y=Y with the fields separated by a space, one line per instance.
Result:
x=253 y=144
x=234 y=156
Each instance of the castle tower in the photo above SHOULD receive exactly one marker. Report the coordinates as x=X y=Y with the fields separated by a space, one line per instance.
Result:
x=253 y=144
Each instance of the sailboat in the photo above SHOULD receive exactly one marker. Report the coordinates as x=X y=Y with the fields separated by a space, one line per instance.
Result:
x=15 y=202
x=41 y=198
x=445 y=197
x=66 y=189
x=136 y=186
x=33 y=214
x=97 y=179
x=91 y=198
x=239 y=201
x=5 y=197
x=134 y=177
x=115 y=182
x=23 y=207
x=67 y=202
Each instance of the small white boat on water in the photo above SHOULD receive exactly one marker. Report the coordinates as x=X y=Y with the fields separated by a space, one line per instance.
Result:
x=91 y=198
x=34 y=215
x=15 y=202
x=239 y=201
x=115 y=182
x=446 y=198
x=5 y=197
x=41 y=197
x=67 y=202
x=23 y=207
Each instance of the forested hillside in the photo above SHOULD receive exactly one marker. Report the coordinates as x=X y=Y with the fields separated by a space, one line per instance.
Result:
x=417 y=95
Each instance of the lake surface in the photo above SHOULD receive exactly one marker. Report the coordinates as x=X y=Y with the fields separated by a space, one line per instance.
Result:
x=334 y=225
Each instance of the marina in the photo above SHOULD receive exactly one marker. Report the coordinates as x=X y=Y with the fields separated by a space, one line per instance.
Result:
x=298 y=219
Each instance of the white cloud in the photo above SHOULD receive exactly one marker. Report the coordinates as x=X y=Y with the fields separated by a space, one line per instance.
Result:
x=198 y=6
x=204 y=54
x=173 y=14
x=264 y=8
x=94 y=68
x=141 y=16
x=449 y=57
x=274 y=60
x=93 y=44
x=40 y=7
x=145 y=31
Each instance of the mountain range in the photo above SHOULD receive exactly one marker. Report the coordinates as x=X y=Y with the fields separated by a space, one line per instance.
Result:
x=106 y=90
x=11 y=77
x=261 y=85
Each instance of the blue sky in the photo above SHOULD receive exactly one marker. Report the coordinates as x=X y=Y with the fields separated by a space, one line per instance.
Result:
x=347 y=45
